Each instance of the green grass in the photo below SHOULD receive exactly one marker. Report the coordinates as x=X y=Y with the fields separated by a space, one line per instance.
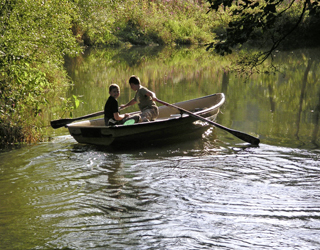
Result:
x=140 y=22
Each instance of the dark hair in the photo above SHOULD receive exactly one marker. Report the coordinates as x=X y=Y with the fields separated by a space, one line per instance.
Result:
x=135 y=80
x=113 y=86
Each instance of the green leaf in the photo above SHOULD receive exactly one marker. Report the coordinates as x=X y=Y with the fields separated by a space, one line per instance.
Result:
x=76 y=101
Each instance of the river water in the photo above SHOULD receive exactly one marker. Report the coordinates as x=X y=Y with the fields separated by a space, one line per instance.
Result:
x=209 y=192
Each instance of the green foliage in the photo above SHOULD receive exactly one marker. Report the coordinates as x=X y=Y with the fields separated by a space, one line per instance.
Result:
x=268 y=21
x=34 y=37
x=141 y=22
x=95 y=21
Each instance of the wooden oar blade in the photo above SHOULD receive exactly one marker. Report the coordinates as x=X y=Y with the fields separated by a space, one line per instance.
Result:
x=60 y=123
x=245 y=137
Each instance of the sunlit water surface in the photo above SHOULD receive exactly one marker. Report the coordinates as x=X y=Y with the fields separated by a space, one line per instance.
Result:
x=204 y=194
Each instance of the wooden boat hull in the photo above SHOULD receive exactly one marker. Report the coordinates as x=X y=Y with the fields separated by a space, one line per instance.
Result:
x=169 y=123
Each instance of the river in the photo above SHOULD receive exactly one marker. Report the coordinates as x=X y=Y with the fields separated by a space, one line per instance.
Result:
x=210 y=192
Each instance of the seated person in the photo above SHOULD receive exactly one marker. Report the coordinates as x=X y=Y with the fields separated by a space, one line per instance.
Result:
x=145 y=99
x=111 y=108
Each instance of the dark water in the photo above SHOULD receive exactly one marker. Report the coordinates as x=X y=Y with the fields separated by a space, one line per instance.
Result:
x=211 y=192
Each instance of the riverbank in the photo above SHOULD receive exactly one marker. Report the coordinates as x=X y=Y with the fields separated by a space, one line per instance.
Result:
x=139 y=22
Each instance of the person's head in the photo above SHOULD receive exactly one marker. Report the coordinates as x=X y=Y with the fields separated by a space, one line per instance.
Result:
x=134 y=82
x=114 y=90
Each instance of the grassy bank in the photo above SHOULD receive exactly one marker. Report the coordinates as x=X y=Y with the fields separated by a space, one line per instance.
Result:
x=167 y=22
x=141 y=22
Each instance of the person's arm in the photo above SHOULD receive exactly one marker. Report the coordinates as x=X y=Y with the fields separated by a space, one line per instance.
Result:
x=151 y=94
x=132 y=102
x=119 y=117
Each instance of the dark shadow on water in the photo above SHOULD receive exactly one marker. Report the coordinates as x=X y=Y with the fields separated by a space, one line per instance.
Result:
x=203 y=142
x=187 y=142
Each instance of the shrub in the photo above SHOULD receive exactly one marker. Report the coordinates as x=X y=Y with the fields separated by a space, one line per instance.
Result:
x=35 y=35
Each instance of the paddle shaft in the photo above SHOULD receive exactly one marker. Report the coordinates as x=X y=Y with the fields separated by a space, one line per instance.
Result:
x=62 y=122
x=243 y=136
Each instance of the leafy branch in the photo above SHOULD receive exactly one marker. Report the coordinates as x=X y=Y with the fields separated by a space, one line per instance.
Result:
x=251 y=18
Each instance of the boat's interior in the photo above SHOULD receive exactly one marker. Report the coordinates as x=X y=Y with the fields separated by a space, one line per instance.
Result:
x=166 y=112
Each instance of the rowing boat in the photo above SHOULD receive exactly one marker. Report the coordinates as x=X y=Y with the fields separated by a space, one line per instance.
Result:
x=170 y=122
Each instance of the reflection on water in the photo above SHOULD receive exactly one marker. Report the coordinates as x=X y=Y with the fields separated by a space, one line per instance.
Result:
x=210 y=191
x=202 y=195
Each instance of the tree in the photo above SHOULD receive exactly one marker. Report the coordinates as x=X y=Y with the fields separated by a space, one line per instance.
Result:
x=268 y=19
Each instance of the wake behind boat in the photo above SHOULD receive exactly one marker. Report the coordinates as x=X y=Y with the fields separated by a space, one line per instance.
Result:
x=170 y=122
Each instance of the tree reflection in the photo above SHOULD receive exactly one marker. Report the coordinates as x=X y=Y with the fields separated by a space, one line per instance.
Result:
x=302 y=95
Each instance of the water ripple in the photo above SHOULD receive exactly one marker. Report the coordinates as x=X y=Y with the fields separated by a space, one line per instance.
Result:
x=224 y=198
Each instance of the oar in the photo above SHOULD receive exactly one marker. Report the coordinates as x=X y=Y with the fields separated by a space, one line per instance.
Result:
x=62 y=122
x=243 y=136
